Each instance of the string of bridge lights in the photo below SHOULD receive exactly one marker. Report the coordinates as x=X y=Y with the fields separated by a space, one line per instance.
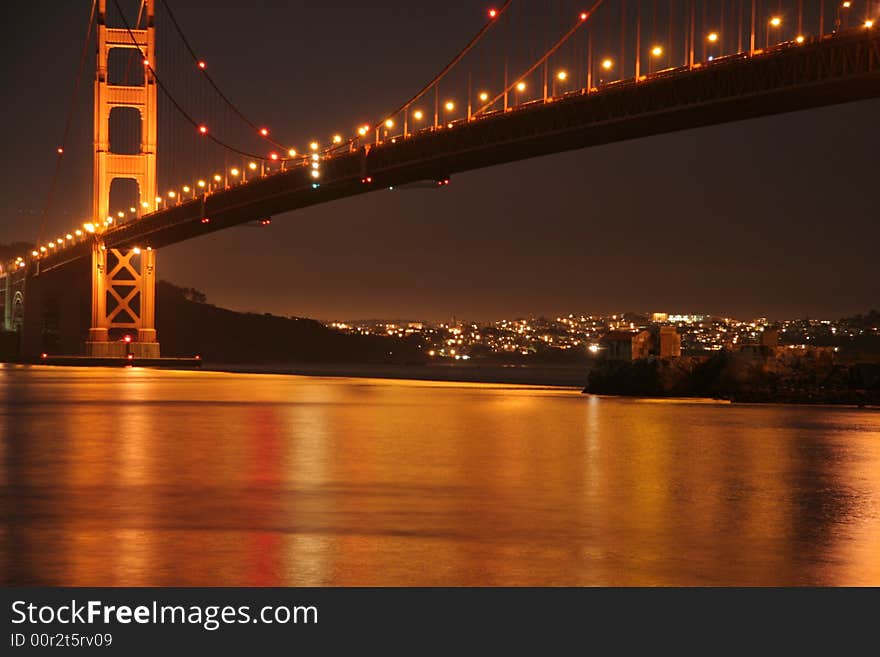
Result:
x=261 y=167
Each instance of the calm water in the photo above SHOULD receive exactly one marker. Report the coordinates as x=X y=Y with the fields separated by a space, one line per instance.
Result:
x=140 y=477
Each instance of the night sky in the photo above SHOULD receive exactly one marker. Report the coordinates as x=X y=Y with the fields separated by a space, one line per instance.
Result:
x=772 y=217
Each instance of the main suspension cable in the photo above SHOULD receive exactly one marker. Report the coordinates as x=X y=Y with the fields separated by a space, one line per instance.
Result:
x=203 y=68
x=70 y=114
x=582 y=20
x=494 y=15
x=149 y=66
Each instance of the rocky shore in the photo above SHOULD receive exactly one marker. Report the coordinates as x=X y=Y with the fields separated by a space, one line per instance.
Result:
x=771 y=376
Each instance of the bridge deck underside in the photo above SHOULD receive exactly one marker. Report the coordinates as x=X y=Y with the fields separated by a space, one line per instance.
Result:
x=833 y=70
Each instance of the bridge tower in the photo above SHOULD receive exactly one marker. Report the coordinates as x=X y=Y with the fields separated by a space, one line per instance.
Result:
x=123 y=280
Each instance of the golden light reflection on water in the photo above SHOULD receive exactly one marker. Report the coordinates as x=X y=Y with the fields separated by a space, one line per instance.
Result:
x=141 y=477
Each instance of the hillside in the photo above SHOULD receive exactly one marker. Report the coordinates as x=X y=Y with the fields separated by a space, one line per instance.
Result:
x=187 y=326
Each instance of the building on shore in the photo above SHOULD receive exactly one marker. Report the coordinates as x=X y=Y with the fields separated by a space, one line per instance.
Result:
x=670 y=342
x=770 y=337
x=627 y=345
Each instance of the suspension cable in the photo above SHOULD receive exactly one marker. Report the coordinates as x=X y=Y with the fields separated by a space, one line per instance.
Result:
x=210 y=80
x=436 y=79
x=70 y=113
x=582 y=20
x=455 y=60
x=177 y=106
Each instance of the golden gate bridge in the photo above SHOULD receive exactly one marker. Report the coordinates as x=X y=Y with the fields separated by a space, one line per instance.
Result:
x=537 y=77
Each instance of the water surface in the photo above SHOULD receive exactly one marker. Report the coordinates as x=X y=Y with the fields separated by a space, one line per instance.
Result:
x=144 y=477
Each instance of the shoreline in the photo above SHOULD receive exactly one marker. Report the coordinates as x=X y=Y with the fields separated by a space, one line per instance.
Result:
x=563 y=377
x=546 y=376
x=560 y=377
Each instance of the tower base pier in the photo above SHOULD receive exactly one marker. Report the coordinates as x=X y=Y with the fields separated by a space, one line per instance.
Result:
x=122 y=349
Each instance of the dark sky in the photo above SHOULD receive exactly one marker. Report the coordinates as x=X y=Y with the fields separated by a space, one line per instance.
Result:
x=772 y=217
